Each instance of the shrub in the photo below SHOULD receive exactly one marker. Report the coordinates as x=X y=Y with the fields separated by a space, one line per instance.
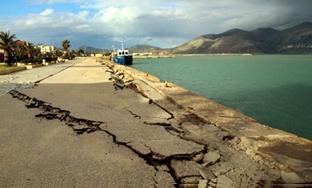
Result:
x=69 y=56
x=37 y=60
x=26 y=60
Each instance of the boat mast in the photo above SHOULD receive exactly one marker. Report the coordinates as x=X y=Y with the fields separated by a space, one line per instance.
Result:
x=122 y=43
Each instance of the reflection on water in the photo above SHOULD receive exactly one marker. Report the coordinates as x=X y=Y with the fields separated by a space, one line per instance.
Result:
x=286 y=107
x=275 y=90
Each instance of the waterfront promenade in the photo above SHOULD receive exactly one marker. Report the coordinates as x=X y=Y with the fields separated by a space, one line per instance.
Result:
x=93 y=124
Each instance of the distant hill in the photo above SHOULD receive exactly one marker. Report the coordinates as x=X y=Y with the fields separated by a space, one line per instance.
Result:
x=143 y=48
x=90 y=49
x=297 y=39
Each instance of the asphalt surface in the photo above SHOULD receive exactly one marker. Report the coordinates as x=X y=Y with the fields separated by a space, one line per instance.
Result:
x=68 y=125
x=29 y=77
x=37 y=152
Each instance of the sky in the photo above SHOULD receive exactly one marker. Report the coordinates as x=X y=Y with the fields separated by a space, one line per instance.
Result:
x=163 y=23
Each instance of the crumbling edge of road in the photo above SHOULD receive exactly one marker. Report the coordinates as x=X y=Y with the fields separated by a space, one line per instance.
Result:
x=276 y=148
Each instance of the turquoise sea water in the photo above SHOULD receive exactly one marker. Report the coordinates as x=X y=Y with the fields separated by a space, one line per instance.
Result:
x=276 y=90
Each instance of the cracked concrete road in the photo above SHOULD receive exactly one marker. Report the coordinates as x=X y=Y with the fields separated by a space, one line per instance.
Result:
x=77 y=128
x=37 y=153
x=124 y=151
x=29 y=77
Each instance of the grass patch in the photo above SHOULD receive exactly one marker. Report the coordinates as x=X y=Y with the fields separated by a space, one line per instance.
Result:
x=5 y=69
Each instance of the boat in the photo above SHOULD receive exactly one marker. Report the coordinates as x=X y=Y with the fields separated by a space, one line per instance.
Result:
x=122 y=57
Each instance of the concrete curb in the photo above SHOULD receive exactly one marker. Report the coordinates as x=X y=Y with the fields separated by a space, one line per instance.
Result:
x=281 y=149
x=26 y=67
x=16 y=69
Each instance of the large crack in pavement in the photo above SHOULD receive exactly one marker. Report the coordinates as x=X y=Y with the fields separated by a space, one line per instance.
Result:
x=85 y=126
x=166 y=142
x=176 y=126
x=174 y=143
x=121 y=81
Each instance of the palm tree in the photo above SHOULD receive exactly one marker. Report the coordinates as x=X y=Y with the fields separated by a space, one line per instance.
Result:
x=19 y=50
x=66 y=45
x=7 y=44
x=81 y=52
x=30 y=50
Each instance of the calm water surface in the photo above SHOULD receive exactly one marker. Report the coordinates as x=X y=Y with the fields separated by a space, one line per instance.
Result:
x=274 y=89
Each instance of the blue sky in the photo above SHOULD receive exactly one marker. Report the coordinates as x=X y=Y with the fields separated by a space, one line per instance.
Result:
x=165 y=23
x=22 y=7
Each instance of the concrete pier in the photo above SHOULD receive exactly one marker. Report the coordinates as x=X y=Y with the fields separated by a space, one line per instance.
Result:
x=95 y=124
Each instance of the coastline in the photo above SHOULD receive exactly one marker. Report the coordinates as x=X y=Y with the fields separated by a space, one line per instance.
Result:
x=263 y=143
x=153 y=56
x=218 y=54
x=243 y=54
x=120 y=127
x=259 y=86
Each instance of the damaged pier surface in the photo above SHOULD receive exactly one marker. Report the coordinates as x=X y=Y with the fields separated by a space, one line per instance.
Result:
x=102 y=126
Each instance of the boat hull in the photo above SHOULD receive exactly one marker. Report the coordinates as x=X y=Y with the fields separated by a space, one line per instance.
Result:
x=123 y=60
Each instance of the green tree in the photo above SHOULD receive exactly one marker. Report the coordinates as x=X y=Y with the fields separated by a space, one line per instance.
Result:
x=20 y=51
x=58 y=53
x=7 y=44
x=30 y=50
x=66 y=45
x=81 y=52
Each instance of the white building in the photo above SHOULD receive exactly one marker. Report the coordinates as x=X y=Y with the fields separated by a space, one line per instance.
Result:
x=46 y=49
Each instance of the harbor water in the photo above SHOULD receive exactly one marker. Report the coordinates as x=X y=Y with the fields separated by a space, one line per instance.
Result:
x=276 y=90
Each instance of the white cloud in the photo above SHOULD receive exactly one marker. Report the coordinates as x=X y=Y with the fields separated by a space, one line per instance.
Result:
x=47 y=12
x=162 y=22
x=54 y=1
x=83 y=14
x=52 y=27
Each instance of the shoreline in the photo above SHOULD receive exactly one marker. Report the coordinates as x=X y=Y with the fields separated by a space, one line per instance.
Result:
x=87 y=118
x=220 y=54
x=154 y=56
x=261 y=142
x=258 y=86
x=238 y=54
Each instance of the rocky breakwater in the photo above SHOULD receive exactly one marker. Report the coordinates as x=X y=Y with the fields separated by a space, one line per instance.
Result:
x=238 y=151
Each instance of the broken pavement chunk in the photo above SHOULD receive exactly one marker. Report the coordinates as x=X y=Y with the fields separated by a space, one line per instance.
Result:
x=203 y=184
x=184 y=168
x=206 y=173
x=225 y=182
x=188 y=186
x=212 y=157
x=223 y=168
x=198 y=157
x=191 y=180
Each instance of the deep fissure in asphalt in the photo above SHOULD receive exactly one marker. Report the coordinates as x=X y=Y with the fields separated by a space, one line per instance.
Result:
x=81 y=126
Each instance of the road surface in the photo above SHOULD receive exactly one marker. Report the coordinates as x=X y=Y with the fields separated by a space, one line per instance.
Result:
x=74 y=128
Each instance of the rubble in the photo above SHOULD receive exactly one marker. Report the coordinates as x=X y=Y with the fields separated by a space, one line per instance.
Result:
x=211 y=158
x=203 y=184
x=225 y=182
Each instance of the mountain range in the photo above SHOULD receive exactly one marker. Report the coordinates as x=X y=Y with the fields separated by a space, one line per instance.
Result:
x=90 y=49
x=294 y=40
x=141 y=48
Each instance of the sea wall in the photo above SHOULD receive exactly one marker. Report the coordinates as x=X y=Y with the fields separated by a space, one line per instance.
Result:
x=279 y=149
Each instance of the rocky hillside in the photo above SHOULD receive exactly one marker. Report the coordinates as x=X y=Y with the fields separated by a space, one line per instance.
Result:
x=90 y=49
x=297 y=39
x=143 y=48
